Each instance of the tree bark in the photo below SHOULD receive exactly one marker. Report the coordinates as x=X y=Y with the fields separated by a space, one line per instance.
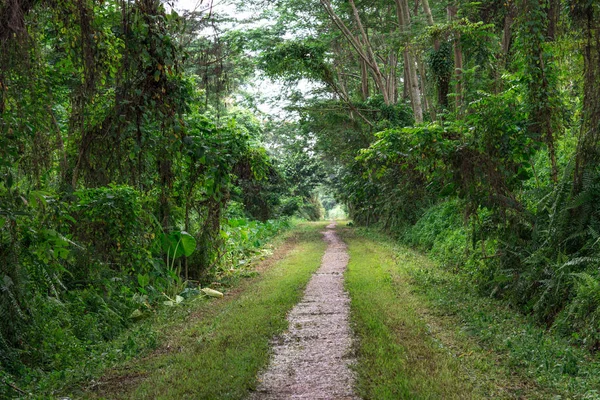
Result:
x=430 y=22
x=507 y=32
x=458 y=61
x=588 y=148
x=553 y=14
x=427 y=108
x=391 y=77
x=410 y=73
x=427 y=11
x=364 y=79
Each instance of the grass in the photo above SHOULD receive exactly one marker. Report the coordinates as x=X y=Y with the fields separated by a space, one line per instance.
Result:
x=218 y=350
x=423 y=332
x=397 y=358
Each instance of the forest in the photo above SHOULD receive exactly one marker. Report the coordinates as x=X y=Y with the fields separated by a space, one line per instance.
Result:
x=149 y=152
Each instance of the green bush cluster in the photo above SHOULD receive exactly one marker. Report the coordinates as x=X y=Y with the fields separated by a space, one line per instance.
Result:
x=442 y=232
x=69 y=284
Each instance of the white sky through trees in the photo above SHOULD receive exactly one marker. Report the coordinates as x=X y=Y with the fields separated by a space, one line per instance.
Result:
x=269 y=96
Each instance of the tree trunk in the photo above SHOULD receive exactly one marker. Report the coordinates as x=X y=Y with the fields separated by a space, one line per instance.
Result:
x=427 y=108
x=364 y=79
x=410 y=73
x=391 y=77
x=363 y=48
x=379 y=77
x=430 y=22
x=458 y=62
x=507 y=33
x=405 y=95
x=553 y=14
x=588 y=149
x=427 y=11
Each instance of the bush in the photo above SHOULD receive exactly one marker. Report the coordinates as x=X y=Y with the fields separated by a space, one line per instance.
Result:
x=112 y=226
x=442 y=232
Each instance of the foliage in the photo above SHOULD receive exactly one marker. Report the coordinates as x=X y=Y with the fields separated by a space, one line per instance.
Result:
x=506 y=351
x=128 y=176
x=511 y=89
x=265 y=301
x=294 y=60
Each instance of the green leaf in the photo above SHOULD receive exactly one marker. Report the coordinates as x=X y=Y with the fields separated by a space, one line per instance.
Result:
x=143 y=280
x=188 y=243
x=178 y=244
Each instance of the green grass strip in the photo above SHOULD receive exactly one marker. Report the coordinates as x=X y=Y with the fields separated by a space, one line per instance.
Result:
x=220 y=355
x=396 y=358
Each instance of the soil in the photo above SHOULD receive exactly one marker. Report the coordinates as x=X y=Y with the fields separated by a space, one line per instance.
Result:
x=312 y=359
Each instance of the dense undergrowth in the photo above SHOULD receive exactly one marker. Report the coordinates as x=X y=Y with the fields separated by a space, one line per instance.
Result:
x=88 y=316
x=488 y=157
x=548 y=272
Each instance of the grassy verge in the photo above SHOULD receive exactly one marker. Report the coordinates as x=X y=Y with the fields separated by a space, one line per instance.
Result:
x=214 y=349
x=424 y=333
x=396 y=357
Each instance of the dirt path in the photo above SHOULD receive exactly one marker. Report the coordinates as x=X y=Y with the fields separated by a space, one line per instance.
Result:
x=311 y=360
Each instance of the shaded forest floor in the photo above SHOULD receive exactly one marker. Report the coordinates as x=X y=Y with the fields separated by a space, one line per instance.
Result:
x=420 y=332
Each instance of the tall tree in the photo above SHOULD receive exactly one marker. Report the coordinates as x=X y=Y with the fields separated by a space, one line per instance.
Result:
x=536 y=32
x=410 y=71
x=586 y=14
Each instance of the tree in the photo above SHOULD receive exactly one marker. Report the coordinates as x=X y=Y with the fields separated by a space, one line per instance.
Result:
x=587 y=14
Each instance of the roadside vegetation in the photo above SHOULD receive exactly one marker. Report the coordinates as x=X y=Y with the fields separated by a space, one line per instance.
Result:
x=425 y=332
x=127 y=182
x=215 y=349
x=468 y=129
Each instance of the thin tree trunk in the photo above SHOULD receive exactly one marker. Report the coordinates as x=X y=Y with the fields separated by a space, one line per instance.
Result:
x=367 y=44
x=458 y=62
x=427 y=108
x=364 y=79
x=506 y=46
x=553 y=14
x=507 y=33
x=366 y=55
x=391 y=77
x=436 y=47
x=430 y=22
x=403 y=15
x=405 y=85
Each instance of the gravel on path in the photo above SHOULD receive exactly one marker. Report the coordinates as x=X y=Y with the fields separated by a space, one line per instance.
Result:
x=312 y=359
